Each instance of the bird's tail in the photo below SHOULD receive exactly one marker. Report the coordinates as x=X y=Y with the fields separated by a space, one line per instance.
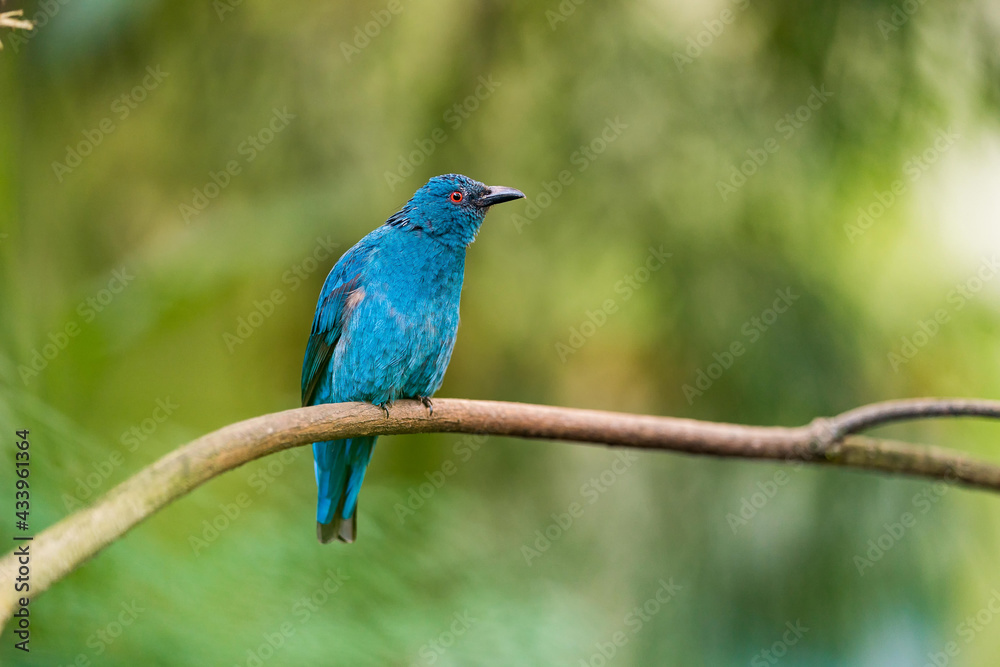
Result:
x=340 y=470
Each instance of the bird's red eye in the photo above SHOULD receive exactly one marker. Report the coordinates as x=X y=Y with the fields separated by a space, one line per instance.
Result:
x=457 y=197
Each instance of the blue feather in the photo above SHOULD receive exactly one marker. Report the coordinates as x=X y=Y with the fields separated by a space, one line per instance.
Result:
x=385 y=326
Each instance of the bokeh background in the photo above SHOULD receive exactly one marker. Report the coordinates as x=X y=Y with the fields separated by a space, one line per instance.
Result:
x=647 y=106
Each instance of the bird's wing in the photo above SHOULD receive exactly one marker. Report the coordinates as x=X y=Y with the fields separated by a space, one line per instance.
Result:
x=336 y=301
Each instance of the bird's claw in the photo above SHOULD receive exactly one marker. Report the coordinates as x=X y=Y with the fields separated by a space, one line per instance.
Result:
x=428 y=404
x=385 y=409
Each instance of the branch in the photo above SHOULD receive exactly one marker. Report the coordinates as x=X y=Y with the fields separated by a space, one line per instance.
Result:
x=8 y=20
x=60 y=549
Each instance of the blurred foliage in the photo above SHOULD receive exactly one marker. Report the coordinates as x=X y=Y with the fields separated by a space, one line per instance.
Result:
x=701 y=88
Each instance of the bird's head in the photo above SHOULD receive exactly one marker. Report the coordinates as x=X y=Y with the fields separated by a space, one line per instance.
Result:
x=452 y=207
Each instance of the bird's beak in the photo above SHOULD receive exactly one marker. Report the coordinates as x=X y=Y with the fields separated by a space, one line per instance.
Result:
x=497 y=194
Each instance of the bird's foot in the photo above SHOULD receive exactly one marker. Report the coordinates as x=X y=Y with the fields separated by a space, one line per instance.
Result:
x=428 y=404
x=385 y=408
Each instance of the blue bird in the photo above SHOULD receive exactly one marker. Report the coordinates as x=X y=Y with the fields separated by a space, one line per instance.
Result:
x=385 y=326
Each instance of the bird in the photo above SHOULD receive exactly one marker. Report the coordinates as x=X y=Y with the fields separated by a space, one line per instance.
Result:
x=385 y=327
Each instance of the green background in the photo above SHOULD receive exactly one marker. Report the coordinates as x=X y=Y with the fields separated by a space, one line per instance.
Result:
x=702 y=90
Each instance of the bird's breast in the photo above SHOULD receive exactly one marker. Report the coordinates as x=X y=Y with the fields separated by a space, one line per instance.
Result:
x=401 y=330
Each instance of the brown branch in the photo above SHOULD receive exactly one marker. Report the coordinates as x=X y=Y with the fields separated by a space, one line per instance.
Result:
x=60 y=549
x=8 y=20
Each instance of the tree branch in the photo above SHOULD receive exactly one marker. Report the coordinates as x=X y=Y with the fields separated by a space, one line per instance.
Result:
x=60 y=549
x=11 y=20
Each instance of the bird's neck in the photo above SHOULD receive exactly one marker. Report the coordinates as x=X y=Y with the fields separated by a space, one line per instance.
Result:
x=456 y=231
x=428 y=259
